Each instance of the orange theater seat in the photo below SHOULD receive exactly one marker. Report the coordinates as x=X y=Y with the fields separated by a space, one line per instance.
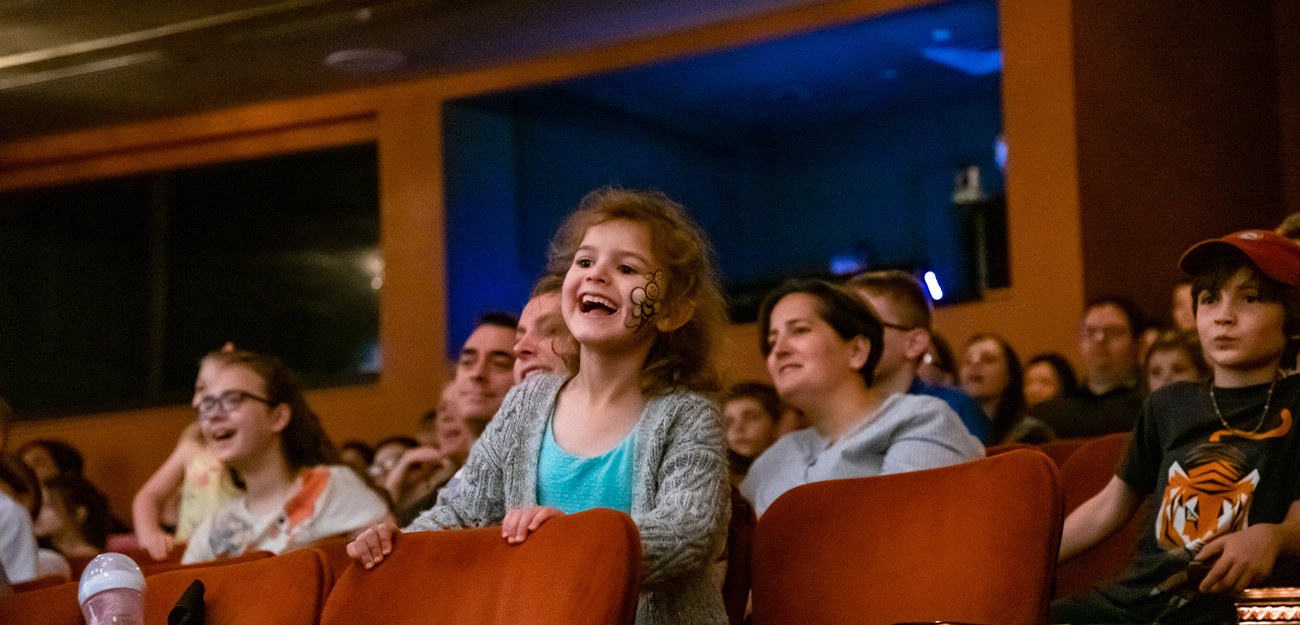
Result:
x=51 y=605
x=1083 y=475
x=44 y=581
x=974 y=542
x=1060 y=450
x=576 y=569
x=247 y=589
x=288 y=589
x=151 y=568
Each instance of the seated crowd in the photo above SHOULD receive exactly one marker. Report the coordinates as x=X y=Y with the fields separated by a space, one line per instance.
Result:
x=604 y=394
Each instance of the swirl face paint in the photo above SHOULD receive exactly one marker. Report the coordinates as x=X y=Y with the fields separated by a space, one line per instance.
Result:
x=646 y=301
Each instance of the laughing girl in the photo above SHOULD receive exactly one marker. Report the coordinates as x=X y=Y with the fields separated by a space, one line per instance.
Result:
x=629 y=429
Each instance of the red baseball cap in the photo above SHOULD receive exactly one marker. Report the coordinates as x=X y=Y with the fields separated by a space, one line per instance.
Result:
x=1275 y=255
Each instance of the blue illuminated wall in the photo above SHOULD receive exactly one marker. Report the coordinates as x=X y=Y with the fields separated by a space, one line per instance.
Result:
x=780 y=191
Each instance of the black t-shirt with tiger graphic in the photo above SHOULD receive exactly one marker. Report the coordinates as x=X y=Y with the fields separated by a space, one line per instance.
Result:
x=1206 y=480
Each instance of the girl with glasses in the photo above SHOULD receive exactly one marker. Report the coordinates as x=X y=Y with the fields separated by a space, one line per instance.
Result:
x=295 y=488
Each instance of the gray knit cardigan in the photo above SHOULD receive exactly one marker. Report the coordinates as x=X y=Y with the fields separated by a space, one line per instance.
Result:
x=680 y=498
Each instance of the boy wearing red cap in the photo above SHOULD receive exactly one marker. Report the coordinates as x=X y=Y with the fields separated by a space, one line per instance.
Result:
x=1220 y=457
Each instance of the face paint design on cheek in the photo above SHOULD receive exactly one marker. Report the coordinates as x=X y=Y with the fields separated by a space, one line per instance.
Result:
x=646 y=301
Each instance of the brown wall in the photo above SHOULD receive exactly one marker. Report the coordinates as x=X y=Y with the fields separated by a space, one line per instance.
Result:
x=1037 y=312
x=1178 y=132
x=1286 y=14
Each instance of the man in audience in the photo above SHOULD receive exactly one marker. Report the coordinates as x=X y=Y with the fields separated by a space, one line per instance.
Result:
x=485 y=370
x=542 y=341
x=1108 y=400
x=904 y=311
x=1180 y=313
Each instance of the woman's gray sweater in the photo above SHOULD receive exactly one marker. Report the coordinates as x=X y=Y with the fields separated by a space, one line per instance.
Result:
x=680 y=497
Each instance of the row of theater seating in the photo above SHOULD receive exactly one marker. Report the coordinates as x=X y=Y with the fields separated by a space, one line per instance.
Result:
x=972 y=543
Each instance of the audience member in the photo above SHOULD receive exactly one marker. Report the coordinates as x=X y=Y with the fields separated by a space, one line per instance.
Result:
x=751 y=412
x=358 y=455
x=1048 y=376
x=20 y=499
x=421 y=472
x=791 y=420
x=1108 y=399
x=990 y=372
x=49 y=458
x=542 y=342
x=74 y=517
x=1220 y=457
x=630 y=429
x=202 y=480
x=905 y=313
x=822 y=344
x=1181 y=313
x=1290 y=227
x=388 y=452
x=257 y=422
x=938 y=367
x=485 y=370
x=1175 y=357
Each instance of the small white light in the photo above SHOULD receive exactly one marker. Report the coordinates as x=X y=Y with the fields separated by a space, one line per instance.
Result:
x=365 y=60
x=932 y=283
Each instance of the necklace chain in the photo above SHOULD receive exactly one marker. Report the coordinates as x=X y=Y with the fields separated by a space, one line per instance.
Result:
x=1268 y=400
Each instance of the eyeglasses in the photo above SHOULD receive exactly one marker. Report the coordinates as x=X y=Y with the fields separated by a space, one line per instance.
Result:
x=225 y=402
x=1097 y=334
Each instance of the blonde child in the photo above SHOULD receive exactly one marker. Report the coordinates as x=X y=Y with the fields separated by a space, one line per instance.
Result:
x=628 y=429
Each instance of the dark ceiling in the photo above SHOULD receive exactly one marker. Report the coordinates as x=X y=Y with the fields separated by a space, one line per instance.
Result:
x=71 y=64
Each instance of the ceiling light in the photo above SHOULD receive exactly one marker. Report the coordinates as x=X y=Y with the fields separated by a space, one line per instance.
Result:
x=365 y=60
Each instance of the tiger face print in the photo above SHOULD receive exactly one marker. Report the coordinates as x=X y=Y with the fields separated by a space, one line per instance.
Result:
x=1208 y=498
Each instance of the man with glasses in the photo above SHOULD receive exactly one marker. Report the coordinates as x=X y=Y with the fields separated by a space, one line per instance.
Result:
x=905 y=312
x=1109 y=399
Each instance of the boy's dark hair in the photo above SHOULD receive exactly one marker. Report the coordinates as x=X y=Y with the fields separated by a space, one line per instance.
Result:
x=1136 y=321
x=760 y=392
x=499 y=319
x=65 y=456
x=903 y=289
x=1213 y=273
x=73 y=492
x=845 y=312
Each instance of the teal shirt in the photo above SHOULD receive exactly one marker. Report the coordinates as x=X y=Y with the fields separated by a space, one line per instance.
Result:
x=572 y=484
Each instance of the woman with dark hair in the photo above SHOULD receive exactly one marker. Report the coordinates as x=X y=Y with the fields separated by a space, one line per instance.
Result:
x=822 y=345
x=1048 y=376
x=74 y=518
x=990 y=373
x=48 y=458
x=256 y=421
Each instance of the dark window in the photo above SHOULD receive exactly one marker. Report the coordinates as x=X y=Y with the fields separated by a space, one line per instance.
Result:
x=111 y=290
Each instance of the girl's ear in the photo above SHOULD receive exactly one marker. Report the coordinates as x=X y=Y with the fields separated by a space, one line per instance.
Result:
x=677 y=317
x=859 y=351
x=280 y=416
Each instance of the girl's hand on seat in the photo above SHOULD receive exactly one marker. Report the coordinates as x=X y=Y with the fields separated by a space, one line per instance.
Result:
x=370 y=546
x=520 y=521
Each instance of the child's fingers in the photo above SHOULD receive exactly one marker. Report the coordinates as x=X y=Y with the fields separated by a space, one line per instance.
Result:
x=508 y=522
x=542 y=515
x=385 y=533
